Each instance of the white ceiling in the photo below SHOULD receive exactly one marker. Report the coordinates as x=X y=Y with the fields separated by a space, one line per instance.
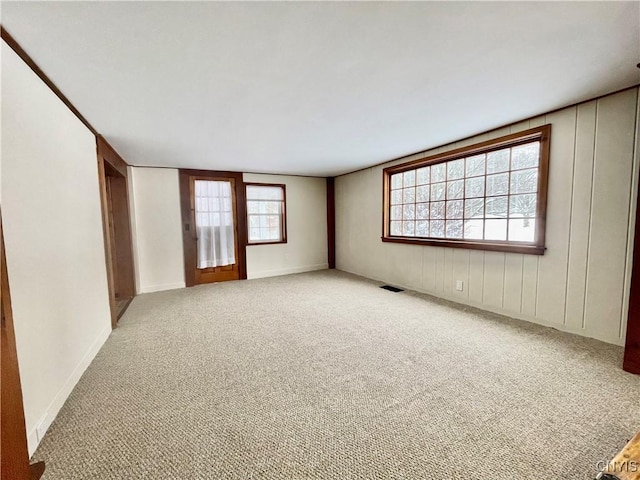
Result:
x=319 y=88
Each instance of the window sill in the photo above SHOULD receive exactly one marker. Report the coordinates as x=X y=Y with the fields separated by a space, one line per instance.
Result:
x=489 y=246
x=251 y=244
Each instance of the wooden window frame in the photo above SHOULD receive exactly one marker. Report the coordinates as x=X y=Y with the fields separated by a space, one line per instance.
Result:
x=537 y=247
x=284 y=212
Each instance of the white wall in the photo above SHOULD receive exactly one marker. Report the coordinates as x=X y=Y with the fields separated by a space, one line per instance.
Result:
x=581 y=283
x=306 y=247
x=55 y=248
x=157 y=237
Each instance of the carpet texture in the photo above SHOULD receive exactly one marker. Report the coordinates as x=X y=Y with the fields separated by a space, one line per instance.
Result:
x=326 y=376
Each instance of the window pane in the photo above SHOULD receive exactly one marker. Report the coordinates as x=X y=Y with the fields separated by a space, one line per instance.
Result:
x=525 y=156
x=495 y=229
x=454 y=208
x=408 y=212
x=253 y=207
x=497 y=184
x=437 y=228
x=474 y=208
x=254 y=234
x=522 y=205
x=422 y=193
x=455 y=169
x=396 y=212
x=408 y=228
x=422 y=211
x=409 y=195
x=437 y=192
x=498 y=161
x=422 y=228
x=396 y=228
x=455 y=189
x=522 y=229
x=396 y=181
x=274 y=233
x=454 y=229
x=474 y=187
x=524 y=181
x=475 y=165
x=264 y=192
x=473 y=229
x=437 y=210
x=409 y=178
x=497 y=207
x=438 y=173
x=273 y=207
x=423 y=175
x=396 y=197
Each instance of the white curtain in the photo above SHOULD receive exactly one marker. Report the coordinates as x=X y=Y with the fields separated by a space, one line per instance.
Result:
x=214 y=223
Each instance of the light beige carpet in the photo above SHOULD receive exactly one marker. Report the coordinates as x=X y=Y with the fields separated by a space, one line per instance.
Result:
x=326 y=376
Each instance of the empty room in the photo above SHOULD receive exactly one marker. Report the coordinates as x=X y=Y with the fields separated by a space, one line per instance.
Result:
x=320 y=240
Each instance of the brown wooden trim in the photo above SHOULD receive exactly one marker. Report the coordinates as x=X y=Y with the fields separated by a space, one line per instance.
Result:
x=542 y=134
x=15 y=46
x=484 y=132
x=108 y=247
x=507 y=141
x=331 y=222
x=631 y=361
x=106 y=151
x=490 y=246
x=188 y=229
x=284 y=213
x=116 y=229
x=14 y=460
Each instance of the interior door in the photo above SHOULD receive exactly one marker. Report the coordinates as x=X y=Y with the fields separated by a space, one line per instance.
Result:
x=213 y=235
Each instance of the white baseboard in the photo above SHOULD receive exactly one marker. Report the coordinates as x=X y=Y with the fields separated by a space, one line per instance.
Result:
x=287 y=271
x=35 y=435
x=160 y=288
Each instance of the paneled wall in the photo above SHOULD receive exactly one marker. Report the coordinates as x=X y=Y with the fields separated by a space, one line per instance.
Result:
x=580 y=284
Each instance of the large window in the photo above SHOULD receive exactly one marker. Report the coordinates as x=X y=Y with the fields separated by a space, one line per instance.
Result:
x=266 y=213
x=488 y=196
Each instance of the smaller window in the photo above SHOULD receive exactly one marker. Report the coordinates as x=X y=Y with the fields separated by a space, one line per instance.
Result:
x=266 y=213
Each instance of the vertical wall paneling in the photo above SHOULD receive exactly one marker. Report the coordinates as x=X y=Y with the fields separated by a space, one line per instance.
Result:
x=580 y=214
x=581 y=282
x=529 y=286
x=631 y=242
x=552 y=266
x=476 y=276
x=610 y=213
x=493 y=279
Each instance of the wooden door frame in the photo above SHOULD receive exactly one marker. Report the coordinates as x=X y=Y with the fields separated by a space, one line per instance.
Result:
x=110 y=163
x=188 y=245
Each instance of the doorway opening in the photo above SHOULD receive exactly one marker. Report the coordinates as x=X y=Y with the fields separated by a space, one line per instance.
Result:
x=112 y=171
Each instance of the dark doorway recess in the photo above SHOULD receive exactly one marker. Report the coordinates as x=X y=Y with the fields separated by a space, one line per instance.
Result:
x=632 y=347
x=112 y=171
